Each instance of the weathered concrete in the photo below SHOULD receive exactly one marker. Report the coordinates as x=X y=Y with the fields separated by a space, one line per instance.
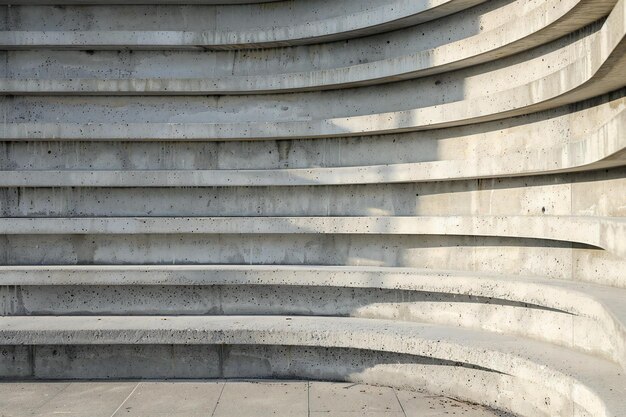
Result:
x=576 y=78
x=400 y=60
x=530 y=364
x=602 y=232
x=603 y=148
x=543 y=309
x=592 y=140
x=245 y=26
x=577 y=194
x=413 y=194
x=591 y=309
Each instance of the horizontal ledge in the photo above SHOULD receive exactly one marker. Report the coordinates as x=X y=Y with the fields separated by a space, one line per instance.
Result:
x=379 y=174
x=138 y=289
x=215 y=329
x=528 y=360
x=602 y=232
x=600 y=149
x=574 y=297
x=401 y=278
x=395 y=14
x=588 y=77
x=558 y=20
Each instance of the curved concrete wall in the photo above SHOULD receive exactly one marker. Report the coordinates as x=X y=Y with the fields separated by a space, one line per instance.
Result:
x=425 y=194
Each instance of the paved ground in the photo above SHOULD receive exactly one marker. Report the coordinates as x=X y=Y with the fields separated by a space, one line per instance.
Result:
x=222 y=399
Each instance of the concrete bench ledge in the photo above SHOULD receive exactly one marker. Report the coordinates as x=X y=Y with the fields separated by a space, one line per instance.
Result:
x=528 y=289
x=582 y=79
x=417 y=194
x=596 y=313
x=231 y=26
x=558 y=17
x=381 y=174
x=602 y=232
x=603 y=148
x=586 y=383
x=523 y=144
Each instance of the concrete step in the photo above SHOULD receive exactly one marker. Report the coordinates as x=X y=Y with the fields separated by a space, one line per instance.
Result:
x=499 y=316
x=115 y=118
x=379 y=174
x=565 y=379
x=604 y=148
x=554 y=259
x=500 y=146
x=245 y=26
x=578 y=194
x=197 y=65
x=544 y=309
x=573 y=157
x=58 y=76
x=601 y=232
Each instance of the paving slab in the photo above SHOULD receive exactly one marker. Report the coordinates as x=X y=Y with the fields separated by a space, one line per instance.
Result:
x=349 y=397
x=263 y=399
x=172 y=399
x=19 y=397
x=93 y=399
x=219 y=398
x=415 y=404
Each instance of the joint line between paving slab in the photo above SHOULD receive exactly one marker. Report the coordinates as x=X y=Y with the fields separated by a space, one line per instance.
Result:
x=218 y=399
x=53 y=396
x=399 y=402
x=126 y=399
x=308 y=398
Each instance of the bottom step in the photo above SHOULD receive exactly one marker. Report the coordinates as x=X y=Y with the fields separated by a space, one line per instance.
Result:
x=518 y=375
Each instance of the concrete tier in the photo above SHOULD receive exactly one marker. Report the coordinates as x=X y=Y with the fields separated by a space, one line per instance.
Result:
x=56 y=72
x=554 y=259
x=602 y=232
x=225 y=397
x=578 y=194
x=582 y=316
x=266 y=117
x=565 y=379
x=601 y=148
x=586 y=135
x=216 y=27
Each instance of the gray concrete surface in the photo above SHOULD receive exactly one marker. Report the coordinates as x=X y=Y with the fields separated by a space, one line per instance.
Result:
x=219 y=398
x=542 y=310
x=583 y=133
x=536 y=369
x=476 y=38
x=220 y=26
x=570 y=156
x=421 y=195
x=601 y=232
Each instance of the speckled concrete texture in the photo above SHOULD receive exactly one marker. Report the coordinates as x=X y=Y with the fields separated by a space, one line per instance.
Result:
x=401 y=196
